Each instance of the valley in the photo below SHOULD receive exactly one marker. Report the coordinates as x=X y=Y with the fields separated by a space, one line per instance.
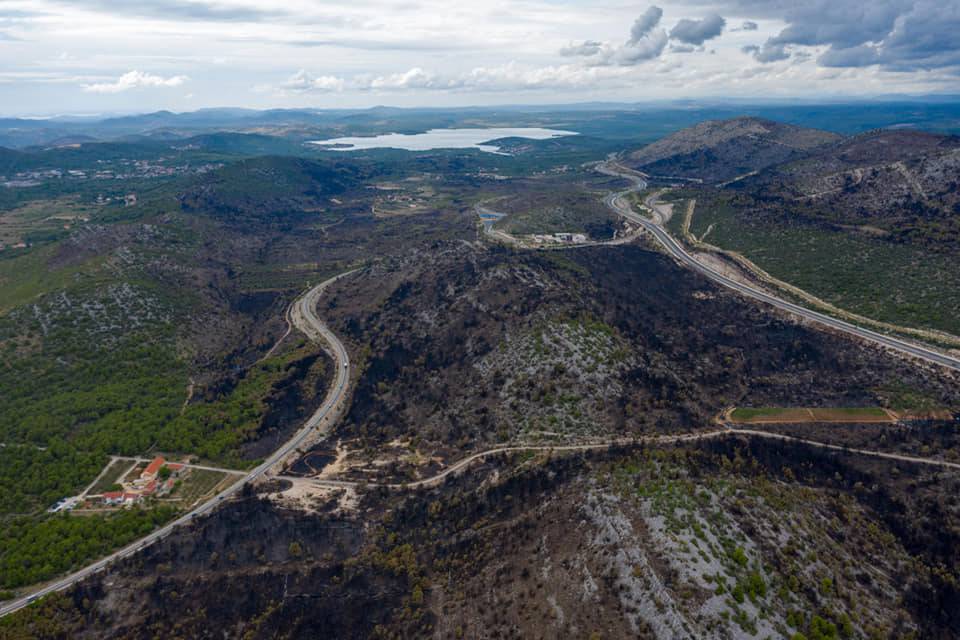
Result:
x=410 y=409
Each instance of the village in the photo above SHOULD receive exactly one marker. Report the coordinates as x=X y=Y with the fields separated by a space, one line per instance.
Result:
x=112 y=170
x=156 y=479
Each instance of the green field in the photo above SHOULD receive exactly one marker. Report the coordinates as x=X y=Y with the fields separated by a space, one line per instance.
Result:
x=747 y=415
x=896 y=283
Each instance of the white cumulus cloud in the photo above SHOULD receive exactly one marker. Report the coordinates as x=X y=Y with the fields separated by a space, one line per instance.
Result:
x=134 y=80
x=304 y=82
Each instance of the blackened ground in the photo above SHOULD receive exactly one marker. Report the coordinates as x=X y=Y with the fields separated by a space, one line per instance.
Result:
x=422 y=330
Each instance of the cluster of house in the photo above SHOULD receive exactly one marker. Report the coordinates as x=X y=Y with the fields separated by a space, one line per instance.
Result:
x=153 y=481
x=120 y=170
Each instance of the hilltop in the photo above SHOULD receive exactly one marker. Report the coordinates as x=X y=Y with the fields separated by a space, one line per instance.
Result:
x=719 y=150
x=269 y=188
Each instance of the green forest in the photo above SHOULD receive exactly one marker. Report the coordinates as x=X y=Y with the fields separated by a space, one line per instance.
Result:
x=32 y=551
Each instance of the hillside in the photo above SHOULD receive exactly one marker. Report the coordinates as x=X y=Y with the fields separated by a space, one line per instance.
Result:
x=719 y=150
x=527 y=443
x=11 y=160
x=730 y=539
x=459 y=347
x=269 y=188
x=144 y=326
x=465 y=348
x=904 y=183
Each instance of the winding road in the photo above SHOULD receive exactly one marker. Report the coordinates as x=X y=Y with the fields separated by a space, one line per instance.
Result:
x=616 y=202
x=727 y=431
x=302 y=314
x=304 y=317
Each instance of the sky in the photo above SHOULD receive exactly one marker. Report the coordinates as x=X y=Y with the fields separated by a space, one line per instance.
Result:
x=120 y=56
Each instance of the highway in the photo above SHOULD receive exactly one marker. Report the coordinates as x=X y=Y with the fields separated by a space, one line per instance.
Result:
x=616 y=202
x=303 y=314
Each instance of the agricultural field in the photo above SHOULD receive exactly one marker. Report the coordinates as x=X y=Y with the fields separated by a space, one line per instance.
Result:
x=199 y=484
x=43 y=220
x=762 y=415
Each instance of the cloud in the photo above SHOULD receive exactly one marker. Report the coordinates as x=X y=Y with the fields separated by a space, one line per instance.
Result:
x=767 y=53
x=859 y=56
x=896 y=35
x=585 y=48
x=635 y=52
x=698 y=31
x=646 y=42
x=415 y=78
x=499 y=78
x=304 y=82
x=179 y=10
x=134 y=80
x=645 y=24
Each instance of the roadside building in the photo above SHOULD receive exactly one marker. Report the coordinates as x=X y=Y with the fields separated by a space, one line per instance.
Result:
x=120 y=498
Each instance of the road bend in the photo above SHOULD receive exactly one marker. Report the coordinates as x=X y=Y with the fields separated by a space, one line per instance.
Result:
x=304 y=317
x=616 y=202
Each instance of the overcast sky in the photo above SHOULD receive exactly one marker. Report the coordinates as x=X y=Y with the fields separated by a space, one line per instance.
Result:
x=100 y=56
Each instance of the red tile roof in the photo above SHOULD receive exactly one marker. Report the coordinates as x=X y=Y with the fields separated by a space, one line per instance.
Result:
x=112 y=495
x=174 y=466
x=154 y=466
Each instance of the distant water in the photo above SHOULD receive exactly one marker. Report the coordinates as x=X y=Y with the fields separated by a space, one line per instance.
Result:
x=442 y=139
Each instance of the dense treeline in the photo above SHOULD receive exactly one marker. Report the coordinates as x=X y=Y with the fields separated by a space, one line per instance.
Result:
x=32 y=551
x=33 y=479
x=216 y=429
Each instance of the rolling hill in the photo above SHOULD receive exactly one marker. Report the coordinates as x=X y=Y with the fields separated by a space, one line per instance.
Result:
x=720 y=150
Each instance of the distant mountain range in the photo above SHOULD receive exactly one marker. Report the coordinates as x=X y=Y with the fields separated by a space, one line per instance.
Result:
x=648 y=121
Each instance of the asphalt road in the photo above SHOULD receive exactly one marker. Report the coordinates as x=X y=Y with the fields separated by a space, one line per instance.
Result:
x=675 y=249
x=303 y=314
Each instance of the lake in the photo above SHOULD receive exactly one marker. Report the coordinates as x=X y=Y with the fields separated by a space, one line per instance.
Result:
x=442 y=139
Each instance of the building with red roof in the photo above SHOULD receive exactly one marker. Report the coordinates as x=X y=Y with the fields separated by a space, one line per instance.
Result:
x=153 y=468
